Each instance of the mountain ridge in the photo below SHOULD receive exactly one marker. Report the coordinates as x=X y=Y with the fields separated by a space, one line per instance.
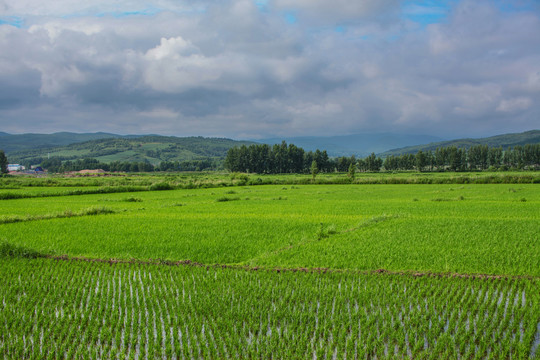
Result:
x=107 y=147
x=21 y=142
x=354 y=144
x=504 y=140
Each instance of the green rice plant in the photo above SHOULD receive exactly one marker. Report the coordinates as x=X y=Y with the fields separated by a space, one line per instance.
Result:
x=90 y=309
x=94 y=210
x=376 y=227
x=132 y=199
x=9 y=250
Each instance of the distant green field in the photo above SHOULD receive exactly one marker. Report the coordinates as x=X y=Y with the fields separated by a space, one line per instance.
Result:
x=291 y=270
x=491 y=229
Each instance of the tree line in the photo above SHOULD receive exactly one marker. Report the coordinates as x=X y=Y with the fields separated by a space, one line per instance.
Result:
x=288 y=158
x=56 y=165
x=283 y=158
x=279 y=159
x=479 y=157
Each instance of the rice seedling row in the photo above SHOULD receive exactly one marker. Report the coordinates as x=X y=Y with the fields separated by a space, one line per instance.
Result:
x=74 y=309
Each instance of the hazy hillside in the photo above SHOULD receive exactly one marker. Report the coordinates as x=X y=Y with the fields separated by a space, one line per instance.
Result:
x=355 y=144
x=151 y=148
x=34 y=148
x=22 y=142
x=504 y=141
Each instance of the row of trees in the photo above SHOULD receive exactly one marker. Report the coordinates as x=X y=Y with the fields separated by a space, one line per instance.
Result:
x=191 y=165
x=58 y=166
x=480 y=157
x=285 y=158
x=278 y=159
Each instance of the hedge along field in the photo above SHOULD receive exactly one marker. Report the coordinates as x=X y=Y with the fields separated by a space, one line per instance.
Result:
x=52 y=309
x=490 y=229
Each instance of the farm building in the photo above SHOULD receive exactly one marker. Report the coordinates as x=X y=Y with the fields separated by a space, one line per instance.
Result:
x=15 y=167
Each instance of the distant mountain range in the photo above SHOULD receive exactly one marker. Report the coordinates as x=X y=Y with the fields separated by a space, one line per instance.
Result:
x=33 y=148
x=360 y=145
x=505 y=141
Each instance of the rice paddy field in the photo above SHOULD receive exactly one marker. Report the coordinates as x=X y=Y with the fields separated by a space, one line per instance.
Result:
x=288 y=271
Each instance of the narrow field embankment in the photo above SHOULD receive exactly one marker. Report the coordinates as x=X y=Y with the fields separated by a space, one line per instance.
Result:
x=95 y=210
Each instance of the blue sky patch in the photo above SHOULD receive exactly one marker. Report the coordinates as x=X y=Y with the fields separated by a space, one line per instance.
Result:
x=290 y=18
x=12 y=20
x=261 y=4
x=426 y=12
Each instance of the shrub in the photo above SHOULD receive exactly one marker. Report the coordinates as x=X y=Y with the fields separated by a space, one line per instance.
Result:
x=95 y=211
x=161 y=186
x=224 y=198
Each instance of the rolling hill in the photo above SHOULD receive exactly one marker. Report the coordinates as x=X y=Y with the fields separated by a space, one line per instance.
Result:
x=150 y=148
x=33 y=148
x=505 y=141
x=22 y=142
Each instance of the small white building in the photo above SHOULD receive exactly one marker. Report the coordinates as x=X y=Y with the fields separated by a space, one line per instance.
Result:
x=15 y=167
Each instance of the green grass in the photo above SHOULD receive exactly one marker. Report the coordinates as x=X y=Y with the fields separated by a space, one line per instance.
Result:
x=476 y=229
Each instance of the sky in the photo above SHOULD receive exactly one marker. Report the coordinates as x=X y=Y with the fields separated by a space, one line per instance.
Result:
x=250 y=69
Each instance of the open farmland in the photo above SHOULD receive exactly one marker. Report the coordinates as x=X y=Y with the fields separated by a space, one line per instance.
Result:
x=461 y=271
x=484 y=229
x=57 y=309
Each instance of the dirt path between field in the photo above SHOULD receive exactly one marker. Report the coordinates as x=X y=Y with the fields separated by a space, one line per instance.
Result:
x=412 y=273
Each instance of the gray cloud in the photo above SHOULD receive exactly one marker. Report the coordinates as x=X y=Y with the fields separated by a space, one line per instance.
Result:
x=228 y=68
x=341 y=11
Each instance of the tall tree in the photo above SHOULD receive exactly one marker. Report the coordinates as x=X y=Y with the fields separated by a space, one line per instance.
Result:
x=314 y=170
x=373 y=162
x=352 y=170
x=3 y=163
x=421 y=160
x=495 y=157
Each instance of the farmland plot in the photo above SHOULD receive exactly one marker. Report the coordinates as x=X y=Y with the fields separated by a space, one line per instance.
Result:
x=299 y=272
x=491 y=229
x=74 y=309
